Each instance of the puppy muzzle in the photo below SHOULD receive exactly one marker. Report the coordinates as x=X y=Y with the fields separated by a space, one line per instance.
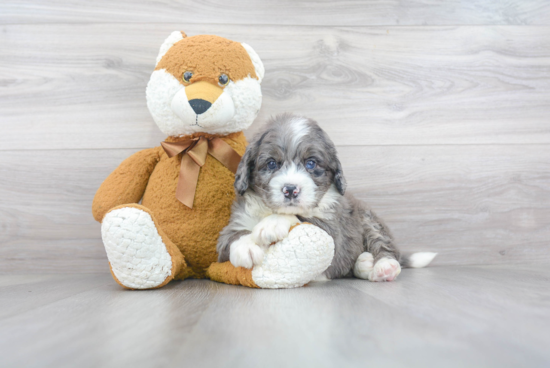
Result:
x=291 y=191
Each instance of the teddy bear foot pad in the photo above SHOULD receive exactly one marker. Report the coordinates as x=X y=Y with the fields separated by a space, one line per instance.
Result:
x=138 y=257
x=296 y=260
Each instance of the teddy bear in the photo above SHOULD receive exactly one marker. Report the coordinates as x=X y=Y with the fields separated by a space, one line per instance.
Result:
x=161 y=209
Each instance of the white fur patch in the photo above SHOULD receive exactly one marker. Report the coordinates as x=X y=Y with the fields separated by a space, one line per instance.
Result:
x=386 y=269
x=245 y=253
x=363 y=266
x=137 y=255
x=256 y=61
x=255 y=206
x=299 y=258
x=326 y=205
x=291 y=174
x=421 y=259
x=254 y=211
x=161 y=89
x=299 y=130
x=169 y=42
x=273 y=228
x=233 y=111
x=247 y=97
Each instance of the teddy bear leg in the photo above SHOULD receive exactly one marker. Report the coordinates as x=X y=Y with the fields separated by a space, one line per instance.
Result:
x=299 y=258
x=140 y=255
x=228 y=274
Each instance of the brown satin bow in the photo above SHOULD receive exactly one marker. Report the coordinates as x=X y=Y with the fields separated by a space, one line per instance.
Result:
x=193 y=158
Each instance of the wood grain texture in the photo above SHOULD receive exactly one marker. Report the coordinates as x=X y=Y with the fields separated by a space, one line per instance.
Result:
x=281 y=12
x=83 y=86
x=472 y=204
x=475 y=316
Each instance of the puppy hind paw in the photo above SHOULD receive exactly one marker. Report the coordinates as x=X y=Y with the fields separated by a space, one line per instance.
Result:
x=363 y=266
x=386 y=269
x=246 y=253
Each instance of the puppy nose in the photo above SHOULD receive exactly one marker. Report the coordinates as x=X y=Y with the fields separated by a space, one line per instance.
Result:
x=199 y=105
x=291 y=191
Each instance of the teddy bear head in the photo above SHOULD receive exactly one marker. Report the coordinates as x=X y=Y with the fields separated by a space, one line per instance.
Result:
x=204 y=84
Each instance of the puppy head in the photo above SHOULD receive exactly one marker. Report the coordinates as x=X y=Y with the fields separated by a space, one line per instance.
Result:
x=204 y=84
x=291 y=164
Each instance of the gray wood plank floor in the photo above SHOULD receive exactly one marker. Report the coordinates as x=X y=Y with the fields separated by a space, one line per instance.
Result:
x=281 y=12
x=469 y=316
x=83 y=86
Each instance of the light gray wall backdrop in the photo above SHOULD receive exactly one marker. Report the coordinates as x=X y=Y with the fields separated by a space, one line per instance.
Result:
x=440 y=111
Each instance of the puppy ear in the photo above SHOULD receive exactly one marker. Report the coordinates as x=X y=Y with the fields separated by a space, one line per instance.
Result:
x=244 y=171
x=339 y=179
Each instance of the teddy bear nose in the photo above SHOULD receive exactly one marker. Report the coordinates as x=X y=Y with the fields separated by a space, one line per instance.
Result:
x=199 y=105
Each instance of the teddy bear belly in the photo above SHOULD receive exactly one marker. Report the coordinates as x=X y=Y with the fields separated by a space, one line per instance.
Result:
x=194 y=231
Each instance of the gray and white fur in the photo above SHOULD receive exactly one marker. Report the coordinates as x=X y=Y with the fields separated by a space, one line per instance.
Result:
x=291 y=173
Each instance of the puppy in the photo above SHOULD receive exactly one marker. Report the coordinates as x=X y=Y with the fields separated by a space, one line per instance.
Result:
x=290 y=173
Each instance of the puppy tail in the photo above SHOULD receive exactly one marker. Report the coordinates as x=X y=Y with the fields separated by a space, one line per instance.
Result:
x=417 y=260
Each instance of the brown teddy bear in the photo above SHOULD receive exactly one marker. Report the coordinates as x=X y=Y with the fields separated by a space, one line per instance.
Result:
x=204 y=91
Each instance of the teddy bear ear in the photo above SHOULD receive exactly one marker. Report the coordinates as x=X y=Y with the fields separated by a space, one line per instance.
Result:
x=169 y=42
x=258 y=65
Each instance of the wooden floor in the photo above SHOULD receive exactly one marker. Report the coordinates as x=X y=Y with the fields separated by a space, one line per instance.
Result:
x=469 y=316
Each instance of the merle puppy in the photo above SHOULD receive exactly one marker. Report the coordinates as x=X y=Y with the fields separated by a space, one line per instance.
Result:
x=290 y=173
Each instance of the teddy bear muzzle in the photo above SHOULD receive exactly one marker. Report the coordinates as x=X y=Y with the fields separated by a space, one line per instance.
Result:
x=203 y=104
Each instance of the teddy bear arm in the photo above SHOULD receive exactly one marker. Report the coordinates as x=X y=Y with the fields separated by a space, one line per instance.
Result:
x=127 y=183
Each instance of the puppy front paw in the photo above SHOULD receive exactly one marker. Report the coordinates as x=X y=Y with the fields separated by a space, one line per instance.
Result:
x=245 y=253
x=386 y=269
x=273 y=228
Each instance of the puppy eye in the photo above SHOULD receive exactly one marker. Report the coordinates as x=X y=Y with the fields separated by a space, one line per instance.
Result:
x=187 y=76
x=310 y=164
x=272 y=165
x=223 y=80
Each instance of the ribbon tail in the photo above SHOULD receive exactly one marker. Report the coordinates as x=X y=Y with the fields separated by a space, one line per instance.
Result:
x=199 y=152
x=187 y=181
x=224 y=153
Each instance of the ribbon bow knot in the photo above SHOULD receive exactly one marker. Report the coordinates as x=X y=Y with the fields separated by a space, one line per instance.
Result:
x=194 y=152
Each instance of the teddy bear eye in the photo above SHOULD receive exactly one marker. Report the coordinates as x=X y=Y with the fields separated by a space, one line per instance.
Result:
x=187 y=76
x=223 y=80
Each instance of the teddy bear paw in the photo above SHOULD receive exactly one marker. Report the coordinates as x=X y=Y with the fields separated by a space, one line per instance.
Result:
x=136 y=252
x=299 y=258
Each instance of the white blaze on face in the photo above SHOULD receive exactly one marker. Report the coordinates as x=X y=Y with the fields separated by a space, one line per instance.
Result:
x=298 y=131
x=290 y=174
